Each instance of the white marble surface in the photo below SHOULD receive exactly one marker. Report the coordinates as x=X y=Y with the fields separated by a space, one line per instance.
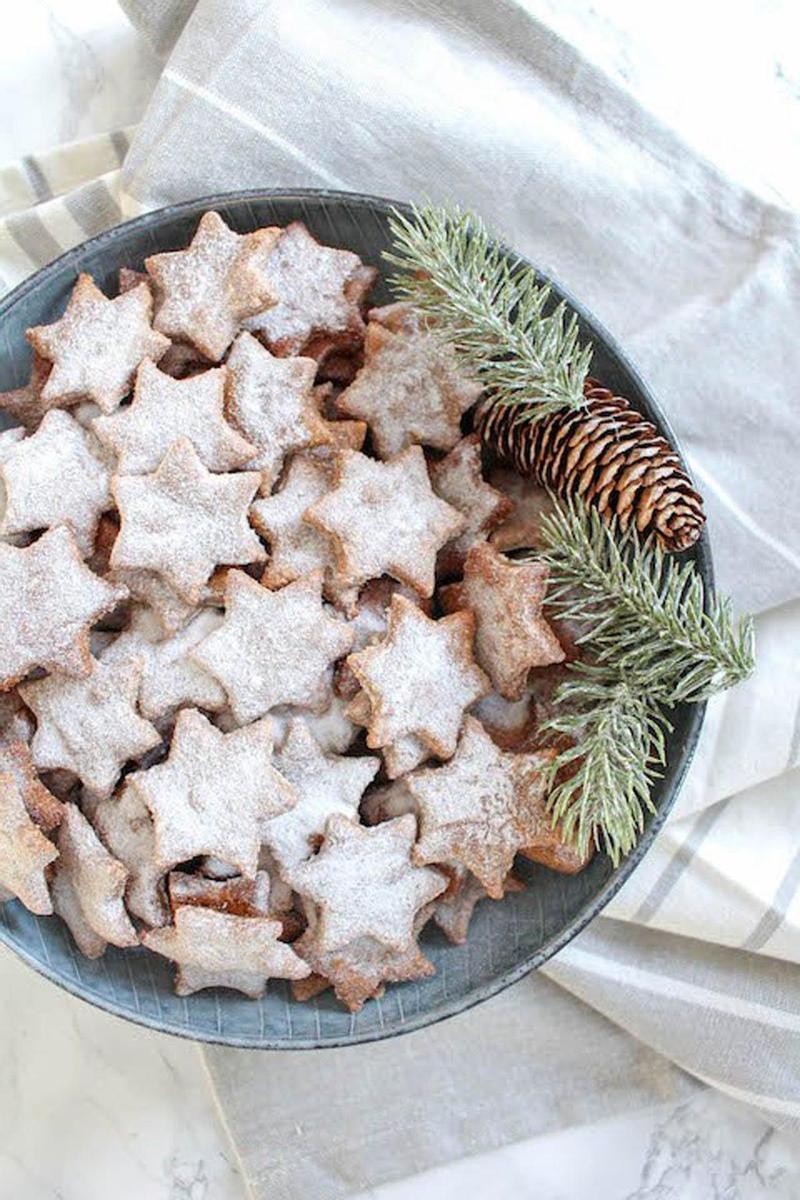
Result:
x=94 y=1107
x=703 y=1149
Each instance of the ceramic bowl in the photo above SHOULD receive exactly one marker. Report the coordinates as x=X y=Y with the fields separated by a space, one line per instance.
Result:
x=506 y=939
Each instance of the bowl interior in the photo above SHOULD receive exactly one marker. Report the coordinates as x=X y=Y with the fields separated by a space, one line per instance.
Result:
x=506 y=939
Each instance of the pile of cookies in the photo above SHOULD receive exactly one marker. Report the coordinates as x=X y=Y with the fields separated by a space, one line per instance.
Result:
x=271 y=689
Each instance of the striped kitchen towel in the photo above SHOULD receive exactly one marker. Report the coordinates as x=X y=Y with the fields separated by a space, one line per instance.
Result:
x=699 y=955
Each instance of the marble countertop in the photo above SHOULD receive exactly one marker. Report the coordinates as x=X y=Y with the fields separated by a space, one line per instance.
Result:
x=94 y=1106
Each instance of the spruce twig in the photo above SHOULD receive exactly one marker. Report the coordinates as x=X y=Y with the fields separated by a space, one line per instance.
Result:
x=491 y=309
x=654 y=639
x=600 y=787
x=647 y=615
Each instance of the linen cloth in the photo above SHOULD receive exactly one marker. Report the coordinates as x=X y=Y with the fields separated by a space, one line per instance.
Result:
x=699 y=279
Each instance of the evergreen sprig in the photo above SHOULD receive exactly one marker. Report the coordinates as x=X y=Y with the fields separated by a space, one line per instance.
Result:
x=491 y=309
x=600 y=786
x=654 y=638
x=647 y=615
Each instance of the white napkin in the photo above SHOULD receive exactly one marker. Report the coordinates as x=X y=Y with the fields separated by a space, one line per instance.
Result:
x=698 y=278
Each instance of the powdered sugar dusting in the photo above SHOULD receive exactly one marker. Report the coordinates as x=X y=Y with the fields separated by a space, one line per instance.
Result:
x=98 y=879
x=216 y=948
x=170 y=678
x=385 y=520
x=97 y=345
x=324 y=785
x=311 y=284
x=182 y=521
x=166 y=409
x=57 y=475
x=274 y=647
x=90 y=726
x=459 y=481
x=420 y=679
x=205 y=292
x=213 y=793
x=125 y=825
x=48 y=601
x=296 y=547
x=272 y=402
x=365 y=885
x=410 y=391
x=24 y=850
x=482 y=807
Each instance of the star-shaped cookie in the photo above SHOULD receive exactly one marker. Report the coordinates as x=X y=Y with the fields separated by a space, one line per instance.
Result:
x=512 y=724
x=170 y=678
x=204 y=293
x=97 y=879
x=357 y=972
x=25 y=404
x=332 y=729
x=25 y=852
x=384 y=520
x=531 y=503
x=164 y=410
x=214 y=792
x=45 y=808
x=55 y=476
x=511 y=634
x=145 y=587
x=126 y=827
x=420 y=679
x=182 y=521
x=48 y=602
x=410 y=391
x=480 y=808
x=296 y=547
x=325 y=784
x=218 y=949
x=272 y=402
x=274 y=647
x=453 y=912
x=458 y=479
x=96 y=346
x=320 y=292
x=364 y=883
x=369 y=623
x=90 y=726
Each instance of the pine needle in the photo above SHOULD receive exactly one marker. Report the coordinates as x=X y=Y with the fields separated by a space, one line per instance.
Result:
x=654 y=639
x=491 y=309
x=600 y=788
x=647 y=616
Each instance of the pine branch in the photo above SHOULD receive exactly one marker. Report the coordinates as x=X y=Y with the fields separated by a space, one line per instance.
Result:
x=654 y=639
x=600 y=788
x=490 y=309
x=647 y=616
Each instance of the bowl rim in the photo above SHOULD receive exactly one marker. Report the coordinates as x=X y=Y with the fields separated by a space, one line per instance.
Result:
x=594 y=906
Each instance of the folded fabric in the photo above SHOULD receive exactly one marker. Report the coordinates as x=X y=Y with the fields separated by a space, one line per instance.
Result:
x=699 y=279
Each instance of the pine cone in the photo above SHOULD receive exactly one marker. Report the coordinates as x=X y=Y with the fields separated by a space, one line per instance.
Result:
x=606 y=453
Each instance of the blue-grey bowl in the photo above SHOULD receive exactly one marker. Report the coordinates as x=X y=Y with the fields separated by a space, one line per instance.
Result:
x=506 y=939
